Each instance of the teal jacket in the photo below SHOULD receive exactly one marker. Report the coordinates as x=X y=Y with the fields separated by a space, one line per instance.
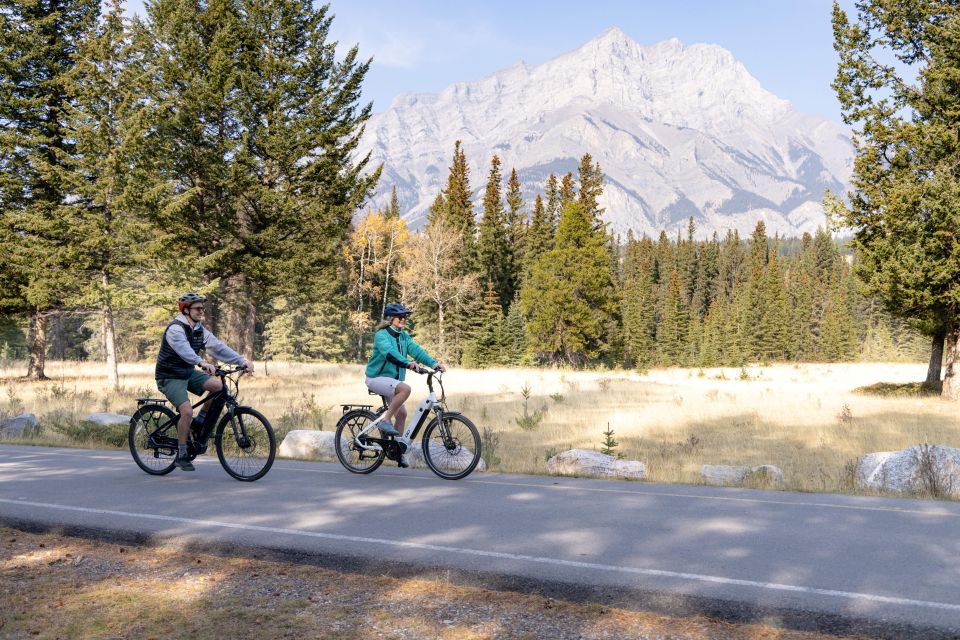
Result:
x=391 y=351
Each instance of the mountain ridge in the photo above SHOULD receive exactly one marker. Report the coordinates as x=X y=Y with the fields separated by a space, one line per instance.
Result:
x=678 y=131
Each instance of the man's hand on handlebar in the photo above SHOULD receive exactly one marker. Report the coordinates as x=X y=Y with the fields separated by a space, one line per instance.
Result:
x=248 y=366
x=207 y=368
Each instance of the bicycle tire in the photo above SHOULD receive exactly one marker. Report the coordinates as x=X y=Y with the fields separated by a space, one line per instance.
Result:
x=450 y=455
x=142 y=436
x=246 y=455
x=350 y=455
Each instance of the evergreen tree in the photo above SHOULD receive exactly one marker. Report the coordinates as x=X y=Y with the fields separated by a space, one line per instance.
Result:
x=513 y=338
x=459 y=209
x=552 y=205
x=591 y=187
x=494 y=253
x=570 y=296
x=104 y=175
x=39 y=41
x=905 y=202
x=567 y=193
x=639 y=304
x=516 y=234
x=294 y=169
x=485 y=348
x=538 y=237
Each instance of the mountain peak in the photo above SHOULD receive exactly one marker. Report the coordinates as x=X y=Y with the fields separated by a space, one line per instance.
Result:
x=680 y=130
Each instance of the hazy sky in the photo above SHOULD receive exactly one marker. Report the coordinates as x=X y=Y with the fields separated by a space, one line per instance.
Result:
x=425 y=45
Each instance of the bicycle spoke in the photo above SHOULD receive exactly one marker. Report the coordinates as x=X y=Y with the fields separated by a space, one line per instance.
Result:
x=246 y=446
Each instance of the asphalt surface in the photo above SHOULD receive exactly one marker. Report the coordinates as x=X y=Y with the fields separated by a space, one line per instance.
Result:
x=843 y=564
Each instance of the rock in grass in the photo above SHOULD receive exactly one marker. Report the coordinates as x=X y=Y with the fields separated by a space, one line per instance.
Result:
x=18 y=426
x=307 y=444
x=926 y=469
x=721 y=475
x=108 y=419
x=583 y=462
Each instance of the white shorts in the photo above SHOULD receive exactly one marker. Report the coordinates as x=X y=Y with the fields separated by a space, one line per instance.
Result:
x=384 y=386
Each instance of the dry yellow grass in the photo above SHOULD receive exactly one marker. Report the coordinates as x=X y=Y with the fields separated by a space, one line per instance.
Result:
x=806 y=419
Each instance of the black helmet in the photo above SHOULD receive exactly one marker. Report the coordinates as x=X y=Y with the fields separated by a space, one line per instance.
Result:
x=395 y=309
x=188 y=299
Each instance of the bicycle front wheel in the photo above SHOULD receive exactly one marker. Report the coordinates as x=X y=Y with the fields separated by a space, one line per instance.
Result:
x=452 y=448
x=153 y=439
x=357 y=456
x=246 y=445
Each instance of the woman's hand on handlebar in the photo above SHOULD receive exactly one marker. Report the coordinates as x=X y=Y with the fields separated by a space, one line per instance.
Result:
x=440 y=367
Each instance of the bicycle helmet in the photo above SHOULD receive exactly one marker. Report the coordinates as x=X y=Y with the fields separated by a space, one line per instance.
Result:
x=395 y=309
x=188 y=299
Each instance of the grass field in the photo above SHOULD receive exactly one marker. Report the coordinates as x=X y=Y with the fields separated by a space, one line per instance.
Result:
x=807 y=419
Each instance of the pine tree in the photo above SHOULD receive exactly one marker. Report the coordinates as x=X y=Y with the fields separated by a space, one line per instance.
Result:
x=294 y=170
x=38 y=45
x=459 y=209
x=494 y=253
x=591 y=187
x=516 y=234
x=538 y=237
x=485 y=348
x=104 y=175
x=639 y=304
x=905 y=201
x=570 y=296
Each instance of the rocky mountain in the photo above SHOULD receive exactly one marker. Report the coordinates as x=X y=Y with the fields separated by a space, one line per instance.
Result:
x=678 y=131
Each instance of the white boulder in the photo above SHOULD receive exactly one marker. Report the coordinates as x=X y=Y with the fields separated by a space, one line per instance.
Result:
x=583 y=462
x=309 y=445
x=17 y=426
x=722 y=475
x=924 y=469
x=108 y=419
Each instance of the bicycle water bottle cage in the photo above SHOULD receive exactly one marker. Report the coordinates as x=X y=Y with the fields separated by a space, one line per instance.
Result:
x=143 y=401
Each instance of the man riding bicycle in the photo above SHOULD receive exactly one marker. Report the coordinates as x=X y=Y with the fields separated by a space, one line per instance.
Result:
x=184 y=340
x=386 y=369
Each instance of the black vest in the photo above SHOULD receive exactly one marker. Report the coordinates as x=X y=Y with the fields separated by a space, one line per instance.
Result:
x=171 y=365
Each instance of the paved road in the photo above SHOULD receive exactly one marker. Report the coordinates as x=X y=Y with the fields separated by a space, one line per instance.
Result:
x=884 y=566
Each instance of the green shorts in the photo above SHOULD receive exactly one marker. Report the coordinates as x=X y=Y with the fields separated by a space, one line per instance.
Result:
x=176 y=389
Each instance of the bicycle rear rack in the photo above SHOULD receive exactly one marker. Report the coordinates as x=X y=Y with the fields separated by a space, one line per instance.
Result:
x=351 y=407
x=143 y=401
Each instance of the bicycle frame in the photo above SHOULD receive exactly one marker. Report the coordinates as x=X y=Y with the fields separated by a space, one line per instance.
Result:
x=430 y=403
x=224 y=398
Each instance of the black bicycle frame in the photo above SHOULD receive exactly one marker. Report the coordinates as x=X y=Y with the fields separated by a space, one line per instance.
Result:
x=218 y=400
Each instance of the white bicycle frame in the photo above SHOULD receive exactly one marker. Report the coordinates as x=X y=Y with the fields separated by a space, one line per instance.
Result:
x=415 y=420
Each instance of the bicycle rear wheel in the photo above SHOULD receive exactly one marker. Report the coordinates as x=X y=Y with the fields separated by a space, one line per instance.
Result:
x=350 y=454
x=246 y=445
x=451 y=449
x=153 y=438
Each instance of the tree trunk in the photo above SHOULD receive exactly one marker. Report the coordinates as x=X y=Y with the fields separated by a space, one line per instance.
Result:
x=441 y=344
x=936 y=358
x=951 y=383
x=249 y=330
x=109 y=341
x=38 y=345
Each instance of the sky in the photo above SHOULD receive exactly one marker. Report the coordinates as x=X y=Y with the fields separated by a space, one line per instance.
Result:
x=425 y=45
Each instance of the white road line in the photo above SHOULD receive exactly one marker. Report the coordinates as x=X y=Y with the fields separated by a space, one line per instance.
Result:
x=773 y=586
x=637 y=491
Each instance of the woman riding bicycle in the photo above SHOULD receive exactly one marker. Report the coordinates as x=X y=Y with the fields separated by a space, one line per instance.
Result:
x=392 y=348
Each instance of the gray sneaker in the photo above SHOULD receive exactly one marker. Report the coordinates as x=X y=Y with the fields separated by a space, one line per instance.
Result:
x=387 y=429
x=184 y=464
